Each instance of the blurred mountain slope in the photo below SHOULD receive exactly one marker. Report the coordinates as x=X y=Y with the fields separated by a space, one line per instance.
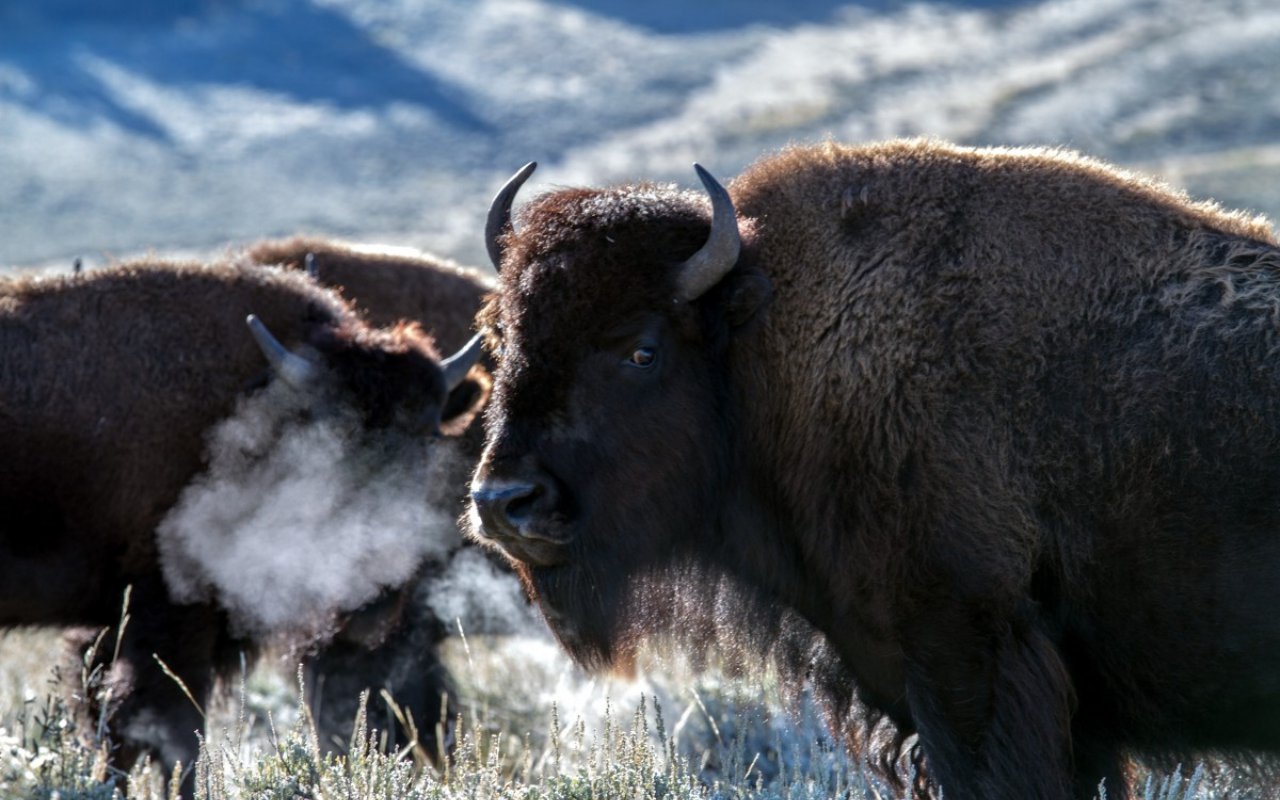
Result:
x=126 y=126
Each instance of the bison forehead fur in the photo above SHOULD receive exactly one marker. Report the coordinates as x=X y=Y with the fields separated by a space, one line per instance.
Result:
x=1004 y=427
x=591 y=250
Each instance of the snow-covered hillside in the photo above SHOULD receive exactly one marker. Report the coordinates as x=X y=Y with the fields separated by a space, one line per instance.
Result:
x=185 y=124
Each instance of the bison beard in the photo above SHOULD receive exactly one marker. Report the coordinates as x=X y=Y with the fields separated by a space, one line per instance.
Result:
x=1005 y=438
x=583 y=612
x=716 y=618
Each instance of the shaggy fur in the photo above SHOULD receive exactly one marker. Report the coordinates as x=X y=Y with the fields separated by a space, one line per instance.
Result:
x=387 y=287
x=1002 y=426
x=108 y=385
x=392 y=643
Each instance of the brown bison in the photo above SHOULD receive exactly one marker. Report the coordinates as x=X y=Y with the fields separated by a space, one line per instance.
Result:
x=392 y=643
x=109 y=385
x=1002 y=425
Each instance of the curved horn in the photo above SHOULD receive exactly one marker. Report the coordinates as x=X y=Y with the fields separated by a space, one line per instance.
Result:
x=457 y=366
x=706 y=267
x=500 y=212
x=295 y=370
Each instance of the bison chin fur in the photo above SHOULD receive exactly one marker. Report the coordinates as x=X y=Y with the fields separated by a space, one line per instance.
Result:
x=602 y=617
x=585 y=614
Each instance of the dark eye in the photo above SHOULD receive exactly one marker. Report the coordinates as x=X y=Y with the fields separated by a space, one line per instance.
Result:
x=642 y=357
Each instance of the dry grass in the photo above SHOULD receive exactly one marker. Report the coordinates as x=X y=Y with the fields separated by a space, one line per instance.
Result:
x=530 y=726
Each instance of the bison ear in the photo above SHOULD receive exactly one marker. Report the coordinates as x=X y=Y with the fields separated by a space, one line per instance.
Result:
x=748 y=295
x=465 y=401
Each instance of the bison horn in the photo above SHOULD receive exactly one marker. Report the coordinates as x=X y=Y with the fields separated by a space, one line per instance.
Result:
x=457 y=366
x=706 y=267
x=295 y=370
x=313 y=272
x=500 y=212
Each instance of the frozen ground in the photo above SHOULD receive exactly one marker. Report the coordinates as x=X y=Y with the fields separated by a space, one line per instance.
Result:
x=128 y=125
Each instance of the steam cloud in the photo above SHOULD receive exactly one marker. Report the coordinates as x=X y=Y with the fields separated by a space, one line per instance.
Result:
x=473 y=593
x=297 y=520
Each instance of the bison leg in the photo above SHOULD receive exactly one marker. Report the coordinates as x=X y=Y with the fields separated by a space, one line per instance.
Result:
x=404 y=661
x=146 y=710
x=992 y=703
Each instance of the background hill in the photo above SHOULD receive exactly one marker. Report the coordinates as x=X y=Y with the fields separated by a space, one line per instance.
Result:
x=128 y=125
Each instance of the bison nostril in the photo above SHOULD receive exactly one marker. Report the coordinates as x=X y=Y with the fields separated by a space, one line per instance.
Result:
x=506 y=507
x=519 y=507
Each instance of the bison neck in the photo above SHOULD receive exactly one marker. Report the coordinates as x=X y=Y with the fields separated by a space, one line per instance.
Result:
x=803 y=553
x=825 y=475
x=786 y=577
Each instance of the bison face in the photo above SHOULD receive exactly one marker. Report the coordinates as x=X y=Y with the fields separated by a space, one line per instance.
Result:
x=391 y=379
x=609 y=443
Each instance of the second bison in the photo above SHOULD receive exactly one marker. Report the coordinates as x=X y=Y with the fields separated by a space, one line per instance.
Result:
x=391 y=644
x=110 y=384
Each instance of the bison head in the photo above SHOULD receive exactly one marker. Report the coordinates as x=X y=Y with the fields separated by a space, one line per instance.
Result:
x=392 y=378
x=610 y=450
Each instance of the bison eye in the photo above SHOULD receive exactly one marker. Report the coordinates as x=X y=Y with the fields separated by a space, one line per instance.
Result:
x=642 y=357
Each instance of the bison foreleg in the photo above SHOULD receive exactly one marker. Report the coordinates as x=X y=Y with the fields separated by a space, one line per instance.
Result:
x=153 y=688
x=406 y=664
x=992 y=704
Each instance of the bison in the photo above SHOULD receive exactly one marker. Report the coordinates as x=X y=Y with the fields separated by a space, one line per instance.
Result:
x=391 y=643
x=1001 y=425
x=109 y=385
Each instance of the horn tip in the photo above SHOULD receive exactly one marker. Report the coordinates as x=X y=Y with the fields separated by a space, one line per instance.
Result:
x=708 y=180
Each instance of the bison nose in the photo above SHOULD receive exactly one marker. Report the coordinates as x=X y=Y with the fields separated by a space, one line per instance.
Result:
x=515 y=509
